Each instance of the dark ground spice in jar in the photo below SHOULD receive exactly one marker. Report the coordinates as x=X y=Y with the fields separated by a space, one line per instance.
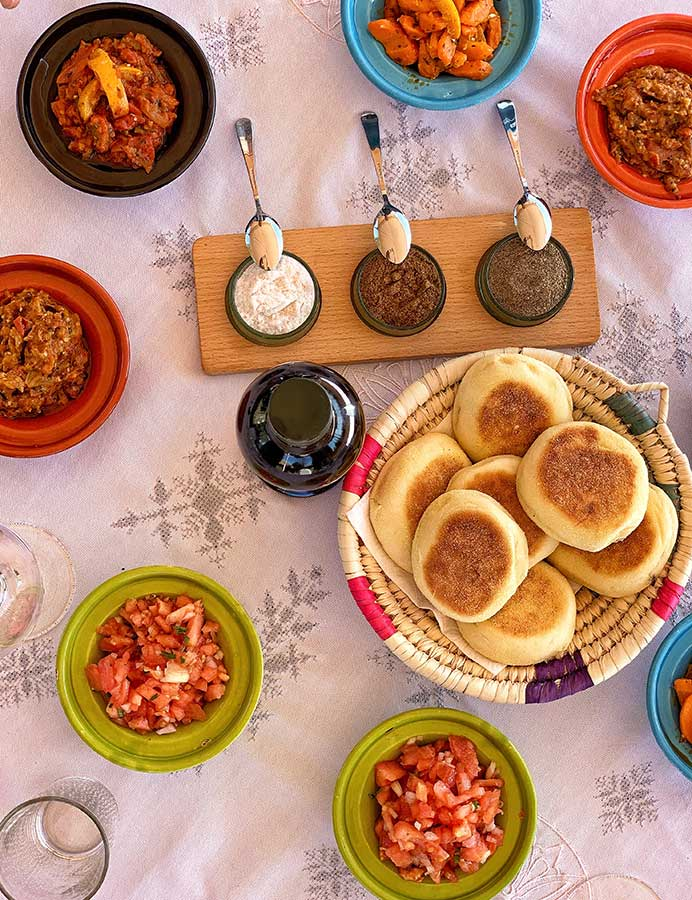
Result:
x=402 y=295
x=528 y=283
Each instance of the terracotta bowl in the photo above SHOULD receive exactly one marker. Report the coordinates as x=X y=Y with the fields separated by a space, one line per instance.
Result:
x=108 y=342
x=664 y=40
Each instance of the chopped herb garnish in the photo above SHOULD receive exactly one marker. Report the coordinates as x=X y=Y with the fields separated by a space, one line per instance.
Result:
x=179 y=629
x=182 y=660
x=153 y=697
x=475 y=804
x=168 y=654
x=186 y=640
x=121 y=712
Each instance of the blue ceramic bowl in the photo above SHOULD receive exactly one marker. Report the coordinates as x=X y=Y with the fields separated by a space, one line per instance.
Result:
x=521 y=21
x=671 y=662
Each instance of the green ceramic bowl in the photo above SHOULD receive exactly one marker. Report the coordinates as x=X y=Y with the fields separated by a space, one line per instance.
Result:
x=355 y=810
x=191 y=744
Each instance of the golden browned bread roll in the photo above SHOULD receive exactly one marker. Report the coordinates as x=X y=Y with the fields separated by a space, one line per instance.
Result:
x=536 y=624
x=497 y=477
x=628 y=566
x=584 y=485
x=407 y=485
x=469 y=555
x=505 y=401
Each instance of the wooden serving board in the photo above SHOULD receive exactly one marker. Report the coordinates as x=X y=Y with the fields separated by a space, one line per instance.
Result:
x=339 y=336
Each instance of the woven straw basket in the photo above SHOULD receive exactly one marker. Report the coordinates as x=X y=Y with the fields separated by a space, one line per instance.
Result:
x=609 y=632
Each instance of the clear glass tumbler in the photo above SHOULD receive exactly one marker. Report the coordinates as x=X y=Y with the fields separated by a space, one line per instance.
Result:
x=612 y=887
x=57 y=845
x=52 y=848
x=37 y=583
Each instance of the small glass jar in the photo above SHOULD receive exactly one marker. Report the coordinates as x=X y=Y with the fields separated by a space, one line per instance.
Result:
x=495 y=307
x=261 y=337
x=383 y=327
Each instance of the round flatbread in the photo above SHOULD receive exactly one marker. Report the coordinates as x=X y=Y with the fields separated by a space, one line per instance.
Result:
x=497 y=477
x=407 y=485
x=584 y=485
x=537 y=623
x=628 y=566
x=505 y=401
x=468 y=555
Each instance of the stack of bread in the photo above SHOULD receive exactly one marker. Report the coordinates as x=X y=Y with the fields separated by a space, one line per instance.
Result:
x=475 y=518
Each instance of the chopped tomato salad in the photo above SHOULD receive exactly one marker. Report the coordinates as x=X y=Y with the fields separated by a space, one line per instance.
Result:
x=437 y=810
x=162 y=664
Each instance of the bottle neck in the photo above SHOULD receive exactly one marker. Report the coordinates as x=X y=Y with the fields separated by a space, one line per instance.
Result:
x=300 y=418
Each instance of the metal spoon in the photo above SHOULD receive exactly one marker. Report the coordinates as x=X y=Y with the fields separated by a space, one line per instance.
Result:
x=532 y=216
x=263 y=236
x=391 y=228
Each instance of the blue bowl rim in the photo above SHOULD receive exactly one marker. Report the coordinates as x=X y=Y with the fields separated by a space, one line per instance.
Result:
x=350 y=32
x=682 y=628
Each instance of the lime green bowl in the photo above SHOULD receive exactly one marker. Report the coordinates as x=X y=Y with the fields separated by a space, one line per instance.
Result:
x=355 y=809
x=190 y=744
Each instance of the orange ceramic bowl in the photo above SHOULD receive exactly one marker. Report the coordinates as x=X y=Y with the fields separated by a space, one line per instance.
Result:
x=664 y=40
x=109 y=346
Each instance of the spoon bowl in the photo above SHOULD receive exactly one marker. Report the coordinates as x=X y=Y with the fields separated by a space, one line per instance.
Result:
x=533 y=221
x=392 y=232
x=264 y=240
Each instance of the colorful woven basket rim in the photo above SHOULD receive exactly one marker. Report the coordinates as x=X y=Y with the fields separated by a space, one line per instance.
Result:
x=610 y=632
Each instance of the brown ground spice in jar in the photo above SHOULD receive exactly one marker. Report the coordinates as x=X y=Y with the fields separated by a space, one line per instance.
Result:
x=402 y=295
x=527 y=282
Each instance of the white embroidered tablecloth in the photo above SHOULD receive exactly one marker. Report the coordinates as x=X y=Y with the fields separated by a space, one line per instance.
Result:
x=163 y=481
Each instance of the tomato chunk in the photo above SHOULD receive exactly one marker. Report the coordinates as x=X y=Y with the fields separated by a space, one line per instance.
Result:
x=388 y=771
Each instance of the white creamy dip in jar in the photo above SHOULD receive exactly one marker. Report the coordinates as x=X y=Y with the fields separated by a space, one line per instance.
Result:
x=276 y=301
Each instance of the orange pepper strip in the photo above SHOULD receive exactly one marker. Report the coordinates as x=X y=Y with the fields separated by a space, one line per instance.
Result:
x=397 y=44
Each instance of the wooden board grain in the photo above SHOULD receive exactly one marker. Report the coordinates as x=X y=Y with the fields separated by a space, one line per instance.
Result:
x=339 y=336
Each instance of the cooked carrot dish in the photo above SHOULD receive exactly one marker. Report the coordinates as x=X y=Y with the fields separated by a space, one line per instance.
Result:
x=453 y=36
x=116 y=102
x=163 y=663
x=683 y=689
x=438 y=810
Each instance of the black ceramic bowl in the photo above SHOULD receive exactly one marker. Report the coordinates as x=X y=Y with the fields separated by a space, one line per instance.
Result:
x=184 y=60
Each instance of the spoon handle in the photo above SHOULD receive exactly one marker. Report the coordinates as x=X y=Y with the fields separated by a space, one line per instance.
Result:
x=508 y=115
x=243 y=129
x=371 y=127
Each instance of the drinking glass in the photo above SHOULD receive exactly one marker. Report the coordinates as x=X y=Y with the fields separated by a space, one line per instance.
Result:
x=37 y=583
x=612 y=887
x=56 y=847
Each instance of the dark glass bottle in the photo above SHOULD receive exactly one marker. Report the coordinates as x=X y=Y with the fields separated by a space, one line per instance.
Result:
x=300 y=427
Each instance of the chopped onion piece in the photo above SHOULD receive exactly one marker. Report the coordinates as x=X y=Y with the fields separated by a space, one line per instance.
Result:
x=168 y=729
x=175 y=673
